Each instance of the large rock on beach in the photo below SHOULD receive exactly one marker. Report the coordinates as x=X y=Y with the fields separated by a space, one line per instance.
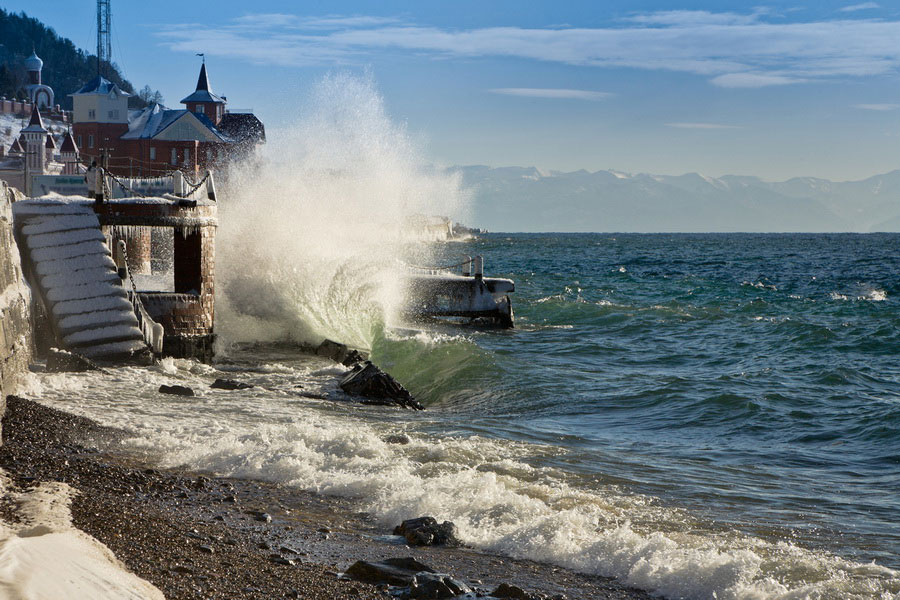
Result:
x=377 y=387
x=392 y=571
x=435 y=586
x=61 y=361
x=426 y=531
x=230 y=384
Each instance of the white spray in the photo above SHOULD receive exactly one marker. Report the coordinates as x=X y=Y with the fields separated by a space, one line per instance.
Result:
x=310 y=236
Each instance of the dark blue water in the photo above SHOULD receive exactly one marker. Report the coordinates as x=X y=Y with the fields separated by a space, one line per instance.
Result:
x=753 y=380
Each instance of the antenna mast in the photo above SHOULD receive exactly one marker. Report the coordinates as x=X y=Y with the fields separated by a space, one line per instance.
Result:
x=104 y=41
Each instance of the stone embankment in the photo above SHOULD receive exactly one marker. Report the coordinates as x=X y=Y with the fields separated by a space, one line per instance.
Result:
x=16 y=337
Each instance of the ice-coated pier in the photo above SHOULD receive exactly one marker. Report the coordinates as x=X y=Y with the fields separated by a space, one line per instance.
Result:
x=438 y=292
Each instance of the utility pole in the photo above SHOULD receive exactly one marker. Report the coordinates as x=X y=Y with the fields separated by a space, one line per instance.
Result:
x=104 y=40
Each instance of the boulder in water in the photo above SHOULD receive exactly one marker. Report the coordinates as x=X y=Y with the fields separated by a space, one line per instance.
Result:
x=340 y=353
x=61 y=361
x=377 y=387
x=426 y=531
x=177 y=390
x=230 y=384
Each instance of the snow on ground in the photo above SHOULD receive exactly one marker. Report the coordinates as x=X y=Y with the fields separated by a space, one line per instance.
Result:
x=10 y=125
x=44 y=557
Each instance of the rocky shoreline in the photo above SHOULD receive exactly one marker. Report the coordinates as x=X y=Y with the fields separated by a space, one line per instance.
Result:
x=198 y=536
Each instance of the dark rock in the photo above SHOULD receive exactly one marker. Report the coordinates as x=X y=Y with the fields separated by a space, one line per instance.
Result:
x=377 y=387
x=353 y=357
x=504 y=590
x=178 y=390
x=392 y=571
x=230 y=384
x=205 y=549
x=435 y=586
x=397 y=439
x=426 y=531
x=264 y=517
x=280 y=560
x=61 y=361
x=340 y=353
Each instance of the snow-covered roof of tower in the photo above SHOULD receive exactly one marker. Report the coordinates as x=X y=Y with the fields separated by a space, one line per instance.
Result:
x=33 y=62
x=35 y=124
x=203 y=93
x=99 y=85
x=16 y=146
x=68 y=143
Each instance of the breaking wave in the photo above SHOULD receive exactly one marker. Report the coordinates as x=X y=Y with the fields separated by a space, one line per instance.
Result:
x=312 y=233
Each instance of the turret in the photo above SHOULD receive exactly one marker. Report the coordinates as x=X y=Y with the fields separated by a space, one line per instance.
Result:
x=203 y=101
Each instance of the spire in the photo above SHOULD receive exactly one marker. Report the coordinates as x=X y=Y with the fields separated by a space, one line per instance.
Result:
x=203 y=80
x=68 y=143
x=35 y=124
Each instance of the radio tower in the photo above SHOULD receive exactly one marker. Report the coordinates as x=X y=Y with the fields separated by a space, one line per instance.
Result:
x=104 y=43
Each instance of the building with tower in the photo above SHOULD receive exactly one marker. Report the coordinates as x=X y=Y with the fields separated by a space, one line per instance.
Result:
x=39 y=95
x=156 y=139
x=35 y=147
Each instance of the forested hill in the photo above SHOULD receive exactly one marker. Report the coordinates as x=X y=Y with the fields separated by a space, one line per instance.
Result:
x=66 y=68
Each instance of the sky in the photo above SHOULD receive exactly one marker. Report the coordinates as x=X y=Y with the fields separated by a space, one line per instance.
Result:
x=776 y=90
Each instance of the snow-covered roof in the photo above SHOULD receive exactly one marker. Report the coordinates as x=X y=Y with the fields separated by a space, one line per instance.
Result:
x=203 y=93
x=99 y=85
x=154 y=119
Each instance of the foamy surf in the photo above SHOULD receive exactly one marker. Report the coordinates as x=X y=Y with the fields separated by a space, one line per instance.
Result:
x=495 y=491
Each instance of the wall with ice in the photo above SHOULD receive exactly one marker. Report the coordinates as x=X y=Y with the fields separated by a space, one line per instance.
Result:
x=15 y=304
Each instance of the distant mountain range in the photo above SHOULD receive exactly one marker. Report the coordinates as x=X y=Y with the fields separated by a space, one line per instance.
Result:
x=528 y=199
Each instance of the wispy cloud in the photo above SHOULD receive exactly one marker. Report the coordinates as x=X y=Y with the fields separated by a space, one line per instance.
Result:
x=881 y=107
x=552 y=93
x=702 y=126
x=861 y=6
x=731 y=49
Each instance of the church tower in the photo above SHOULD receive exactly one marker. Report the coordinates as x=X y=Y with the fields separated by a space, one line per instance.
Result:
x=35 y=147
x=68 y=152
x=38 y=94
x=203 y=101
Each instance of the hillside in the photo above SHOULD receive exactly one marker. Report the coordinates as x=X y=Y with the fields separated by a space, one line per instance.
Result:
x=527 y=199
x=66 y=68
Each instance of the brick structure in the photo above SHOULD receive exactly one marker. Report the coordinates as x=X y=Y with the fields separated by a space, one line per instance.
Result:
x=157 y=140
x=188 y=312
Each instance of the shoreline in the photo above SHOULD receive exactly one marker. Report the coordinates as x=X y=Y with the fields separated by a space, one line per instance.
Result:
x=200 y=536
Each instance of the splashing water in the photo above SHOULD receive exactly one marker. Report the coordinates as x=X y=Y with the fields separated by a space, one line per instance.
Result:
x=311 y=235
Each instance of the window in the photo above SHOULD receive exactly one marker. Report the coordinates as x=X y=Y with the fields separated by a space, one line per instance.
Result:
x=174 y=160
x=80 y=142
x=199 y=109
x=208 y=155
x=92 y=114
x=187 y=156
x=90 y=141
x=113 y=114
x=152 y=153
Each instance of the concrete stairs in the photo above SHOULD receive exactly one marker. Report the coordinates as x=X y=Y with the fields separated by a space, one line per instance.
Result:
x=78 y=281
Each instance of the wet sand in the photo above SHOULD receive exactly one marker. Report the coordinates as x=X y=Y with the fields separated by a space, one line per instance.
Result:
x=199 y=536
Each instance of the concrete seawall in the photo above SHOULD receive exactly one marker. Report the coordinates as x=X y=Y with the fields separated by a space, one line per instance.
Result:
x=16 y=334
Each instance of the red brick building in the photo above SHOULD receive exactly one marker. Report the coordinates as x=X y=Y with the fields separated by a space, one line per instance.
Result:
x=158 y=140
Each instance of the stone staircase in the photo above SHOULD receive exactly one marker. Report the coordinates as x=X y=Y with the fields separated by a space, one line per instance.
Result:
x=77 y=279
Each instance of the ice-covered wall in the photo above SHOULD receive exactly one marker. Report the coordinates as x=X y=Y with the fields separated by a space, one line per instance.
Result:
x=16 y=335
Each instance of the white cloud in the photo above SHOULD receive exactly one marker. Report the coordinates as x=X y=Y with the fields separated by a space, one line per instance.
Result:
x=732 y=49
x=862 y=6
x=701 y=126
x=752 y=80
x=880 y=107
x=552 y=93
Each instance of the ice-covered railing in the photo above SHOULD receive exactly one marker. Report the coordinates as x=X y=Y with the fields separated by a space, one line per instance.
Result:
x=153 y=332
x=468 y=267
x=105 y=185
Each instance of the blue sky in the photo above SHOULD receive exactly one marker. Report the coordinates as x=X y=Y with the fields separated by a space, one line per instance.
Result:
x=776 y=90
